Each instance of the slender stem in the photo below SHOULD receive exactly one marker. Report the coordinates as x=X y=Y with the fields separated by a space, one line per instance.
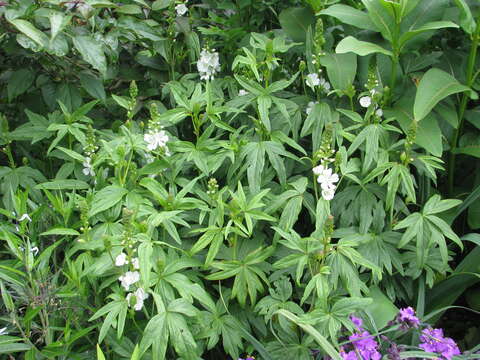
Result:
x=463 y=105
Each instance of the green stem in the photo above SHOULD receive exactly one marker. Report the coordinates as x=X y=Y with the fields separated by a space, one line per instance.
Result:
x=463 y=106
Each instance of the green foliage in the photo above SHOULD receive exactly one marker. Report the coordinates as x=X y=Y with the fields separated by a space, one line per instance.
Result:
x=210 y=179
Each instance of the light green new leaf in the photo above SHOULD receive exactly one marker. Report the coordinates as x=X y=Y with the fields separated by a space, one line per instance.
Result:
x=362 y=48
x=100 y=355
x=91 y=52
x=350 y=15
x=435 y=85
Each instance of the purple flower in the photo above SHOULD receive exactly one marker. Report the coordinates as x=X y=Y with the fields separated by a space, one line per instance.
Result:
x=434 y=341
x=407 y=318
x=357 y=322
x=363 y=344
x=348 y=355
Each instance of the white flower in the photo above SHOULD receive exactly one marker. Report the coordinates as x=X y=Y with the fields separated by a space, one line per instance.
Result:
x=88 y=167
x=242 y=92
x=155 y=140
x=208 y=64
x=365 y=101
x=121 y=259
x=379 y=112
x=25 y=216
x=35 y=250
x=327 y=179
x=229 y=12
x=130 y=278
x=328 y=194
x=3 y=331
x=312 y=80
x=181 y=9
x=317 y=170
x=136 y=263
x=310 y=106
x=140 y=296
x=325 y=84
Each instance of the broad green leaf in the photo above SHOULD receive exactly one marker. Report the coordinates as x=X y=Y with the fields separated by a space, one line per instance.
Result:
x=58 y=21
x=106 y=198
x=60 y=231
x=92 y=52
x=65 y=184
x=435 y=85
x=341 y=69
x=466 y=19
x=362 y=48
x=295 y=22
x=31 y=31
x=434 y=25
x=161 y=4
x=381 y=17
x=20 y=81
x=93 y=86
x=381 y=310
x=350 y=15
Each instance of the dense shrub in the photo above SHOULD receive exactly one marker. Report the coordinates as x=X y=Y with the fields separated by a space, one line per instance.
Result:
x=224 y=179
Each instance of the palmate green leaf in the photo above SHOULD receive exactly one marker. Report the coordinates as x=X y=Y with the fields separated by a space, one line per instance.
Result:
x=435 y=85
x=92 y=52
x=350 y=15
x=106 y=198
x=321 y=340
x=362 y=48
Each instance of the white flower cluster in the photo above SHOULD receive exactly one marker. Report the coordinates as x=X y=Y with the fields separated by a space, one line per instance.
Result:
x=181 y=9
x=208 y=64
x=130 y=278
x=88 y=167
x=242 y=92
x=327 y=179
x=156 y=139
x=314 y=80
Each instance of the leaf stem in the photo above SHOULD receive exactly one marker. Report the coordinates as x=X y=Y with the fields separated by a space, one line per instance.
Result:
x=463 y=105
